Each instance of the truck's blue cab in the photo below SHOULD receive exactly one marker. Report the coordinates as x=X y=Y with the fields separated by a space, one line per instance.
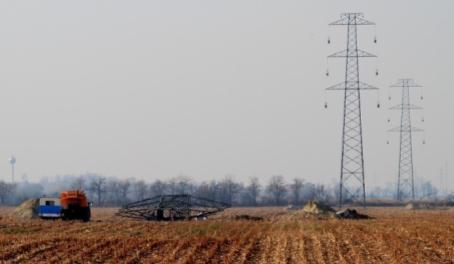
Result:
x=49 y=208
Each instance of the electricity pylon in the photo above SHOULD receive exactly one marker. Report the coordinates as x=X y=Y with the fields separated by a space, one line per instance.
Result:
x=352 y=184
x=405 y=178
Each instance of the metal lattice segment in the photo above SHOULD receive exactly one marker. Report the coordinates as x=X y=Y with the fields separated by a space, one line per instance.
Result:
x=352 y=184
x=172 y=207
x=345 y=85
x=346 y=19
x=406 y=82
x=405 y=177
x=406 y=107
x=352 y=53
x=406 y=129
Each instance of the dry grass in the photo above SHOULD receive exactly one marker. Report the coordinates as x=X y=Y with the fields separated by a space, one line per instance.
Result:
x=395 y=236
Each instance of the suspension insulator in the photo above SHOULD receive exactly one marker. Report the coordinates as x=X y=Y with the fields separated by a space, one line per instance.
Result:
x=378 y=105
x=375 y=40
x=389 y=120
x=326 y=105
x=422 y=98
x=376 y=72
x=329 y=41
x=387 y=142
x=327 y=73
x=423 y=142
x=389 y=97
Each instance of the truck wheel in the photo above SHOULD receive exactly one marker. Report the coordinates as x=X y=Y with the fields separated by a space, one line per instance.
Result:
x=86 y=215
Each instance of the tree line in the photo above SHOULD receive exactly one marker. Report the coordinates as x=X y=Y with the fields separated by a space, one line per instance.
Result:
x=110 y=191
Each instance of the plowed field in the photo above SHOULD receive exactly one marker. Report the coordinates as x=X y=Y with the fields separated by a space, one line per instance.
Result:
x=394 y=236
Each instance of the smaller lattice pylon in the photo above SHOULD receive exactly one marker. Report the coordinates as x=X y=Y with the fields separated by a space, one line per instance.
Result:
x=405 y=176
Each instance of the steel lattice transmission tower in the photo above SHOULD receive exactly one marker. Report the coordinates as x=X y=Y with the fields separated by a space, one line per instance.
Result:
x=405 y=178
x=352 y=184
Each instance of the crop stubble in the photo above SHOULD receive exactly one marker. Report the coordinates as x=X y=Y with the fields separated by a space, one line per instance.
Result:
x=394 y=236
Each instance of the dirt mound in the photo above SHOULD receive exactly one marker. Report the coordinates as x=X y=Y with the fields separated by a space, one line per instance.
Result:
x=294 y=207
x=350 y=214
x=318 y=208
x=27 y=210
x=419 y=206
x=248 y=217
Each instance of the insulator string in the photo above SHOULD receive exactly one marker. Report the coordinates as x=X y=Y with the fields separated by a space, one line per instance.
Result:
x=327 y=67
x=378 y=98
x=376 y=67
x=326 y=100
x=375 y=34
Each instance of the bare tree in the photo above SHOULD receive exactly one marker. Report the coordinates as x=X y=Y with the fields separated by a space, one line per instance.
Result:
x=123 y=188
x=158 y=188
x=205 y=191
x=113 y=192
x=228 y=190
x=253 y=190
x=276 y=188
x=140 y=189
x=79 y=183
x=184 y=185
x=98 y=187
x=295 y=188
x=322 y=194
x=6 y=191
x=428 y=190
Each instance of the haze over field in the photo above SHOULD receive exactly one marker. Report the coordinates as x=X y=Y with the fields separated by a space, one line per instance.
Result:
x=154 y=89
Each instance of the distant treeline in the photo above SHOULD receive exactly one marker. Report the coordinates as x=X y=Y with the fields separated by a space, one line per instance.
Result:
x=109 y=191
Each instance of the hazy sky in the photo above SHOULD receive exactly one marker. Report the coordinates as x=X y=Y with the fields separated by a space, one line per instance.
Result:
x=154 y=89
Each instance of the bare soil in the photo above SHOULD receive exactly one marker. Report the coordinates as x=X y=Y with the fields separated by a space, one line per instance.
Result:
x=395 y=235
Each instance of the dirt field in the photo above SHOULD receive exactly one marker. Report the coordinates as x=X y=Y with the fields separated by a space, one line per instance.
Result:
x=395 y=236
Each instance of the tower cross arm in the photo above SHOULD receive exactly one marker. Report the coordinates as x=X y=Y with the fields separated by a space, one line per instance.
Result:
x=352 y=19
x=349 y=85
x=409 y=129
x=405 y=83
x=351 y=53
x=410 y=106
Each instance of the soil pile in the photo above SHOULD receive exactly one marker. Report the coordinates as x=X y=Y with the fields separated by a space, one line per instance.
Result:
x=248 y=217
x=318 y=208
x=294 y=207
x=350 y=214
x=419 y=206
x=27 y=210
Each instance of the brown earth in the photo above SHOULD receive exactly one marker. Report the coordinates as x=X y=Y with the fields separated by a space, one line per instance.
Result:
x=26 y=210
x=394 y=235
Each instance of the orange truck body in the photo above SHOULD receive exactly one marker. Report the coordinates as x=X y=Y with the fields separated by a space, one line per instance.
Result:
x=75 y=205
x=76 y=197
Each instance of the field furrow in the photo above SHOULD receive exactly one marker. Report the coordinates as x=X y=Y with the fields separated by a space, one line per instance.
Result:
x=394 y=236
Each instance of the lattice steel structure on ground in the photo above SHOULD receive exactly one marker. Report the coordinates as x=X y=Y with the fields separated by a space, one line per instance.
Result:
x=172 y=207
x=405 y=177
x=352 y=183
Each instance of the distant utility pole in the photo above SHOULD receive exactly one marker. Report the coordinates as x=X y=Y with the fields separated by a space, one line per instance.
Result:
x=405 y=177
x=352 y=184
x=12 y=161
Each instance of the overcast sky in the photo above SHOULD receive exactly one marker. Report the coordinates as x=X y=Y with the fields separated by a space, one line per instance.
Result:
x=155 y=89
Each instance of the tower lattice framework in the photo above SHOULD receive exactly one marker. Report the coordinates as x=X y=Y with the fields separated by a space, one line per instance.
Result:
x=352 y=178
x=405 y=177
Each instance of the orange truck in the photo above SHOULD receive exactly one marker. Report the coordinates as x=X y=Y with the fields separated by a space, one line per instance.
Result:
x=75 y=205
